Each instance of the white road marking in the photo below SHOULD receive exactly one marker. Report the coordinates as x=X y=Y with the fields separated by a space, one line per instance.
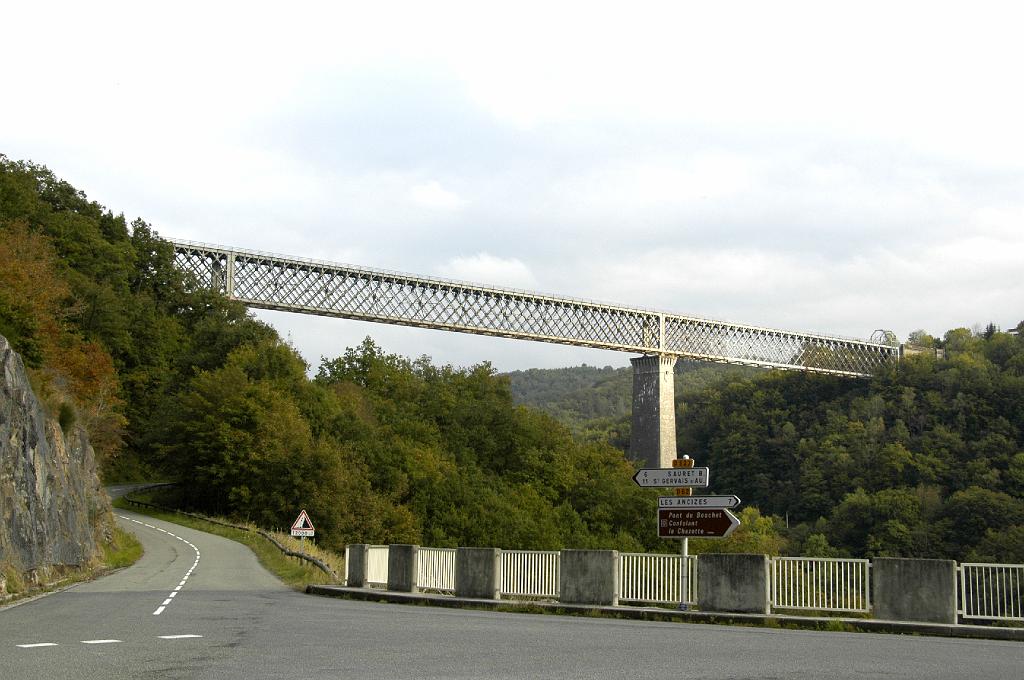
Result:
x=34 y=645
x=177 y=637
x=160 y=610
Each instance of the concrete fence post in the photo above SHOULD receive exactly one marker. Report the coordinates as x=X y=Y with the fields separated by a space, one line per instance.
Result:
x=403 y=563
x=589 y=577
x=478 y=573
x=733 y=583
x=913 y=589
x=356 y=566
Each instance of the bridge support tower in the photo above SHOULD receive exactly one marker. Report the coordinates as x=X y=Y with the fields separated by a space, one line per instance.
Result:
x=652 y=439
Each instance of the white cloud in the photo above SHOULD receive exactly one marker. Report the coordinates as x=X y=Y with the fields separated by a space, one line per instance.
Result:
x=808 y=165
x=490 y=270
x=432 y=195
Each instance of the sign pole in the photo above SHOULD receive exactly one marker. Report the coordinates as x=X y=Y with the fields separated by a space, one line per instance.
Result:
x=683 y=605
x=684 y=462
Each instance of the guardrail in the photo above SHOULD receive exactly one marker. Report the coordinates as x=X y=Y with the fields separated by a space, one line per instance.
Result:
x=820 y=584
x=992 y=591
x=435 y=569
x=530 y=573
x=646 y=577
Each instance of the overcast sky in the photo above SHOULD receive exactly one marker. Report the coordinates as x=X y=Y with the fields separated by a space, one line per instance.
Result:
x=833 y=167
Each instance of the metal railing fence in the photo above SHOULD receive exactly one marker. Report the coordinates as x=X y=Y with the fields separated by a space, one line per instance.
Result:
x=377 y=565
x=992 y=591
x=821 y=584
x=646 y=577
x=530 y=573
x=435 y=569
x=985 y=591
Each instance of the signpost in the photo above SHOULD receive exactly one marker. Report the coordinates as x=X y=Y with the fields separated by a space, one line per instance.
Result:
x=677 y=476
x=698 y=501
x=302 y=527
x=684 y=514
x=683 y=523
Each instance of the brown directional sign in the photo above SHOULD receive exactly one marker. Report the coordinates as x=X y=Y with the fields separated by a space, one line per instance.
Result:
x=680 y=523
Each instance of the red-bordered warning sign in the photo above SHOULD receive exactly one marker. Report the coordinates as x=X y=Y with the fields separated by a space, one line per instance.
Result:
x=302 y=526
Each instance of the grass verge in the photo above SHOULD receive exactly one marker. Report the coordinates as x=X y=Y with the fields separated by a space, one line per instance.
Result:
x=124 y=551
x=293 y=572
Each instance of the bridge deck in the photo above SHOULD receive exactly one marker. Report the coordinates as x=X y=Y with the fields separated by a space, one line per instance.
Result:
x=268 y=281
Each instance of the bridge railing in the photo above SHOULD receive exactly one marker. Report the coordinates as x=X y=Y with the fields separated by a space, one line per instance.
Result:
x=377 y=565
x=991 y=591
x=821 y=584
x=530 y=573
x=435 y=569
x=653 y=578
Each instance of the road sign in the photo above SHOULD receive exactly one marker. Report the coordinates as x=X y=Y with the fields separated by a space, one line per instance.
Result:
x=680 y=523
x=302 y=526
x=695 y=476
x=698 y=501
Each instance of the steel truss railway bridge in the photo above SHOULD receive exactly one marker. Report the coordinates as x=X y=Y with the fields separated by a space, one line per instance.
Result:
x=268 y=281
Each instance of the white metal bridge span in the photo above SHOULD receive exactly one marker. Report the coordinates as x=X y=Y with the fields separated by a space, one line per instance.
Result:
x=269 y=281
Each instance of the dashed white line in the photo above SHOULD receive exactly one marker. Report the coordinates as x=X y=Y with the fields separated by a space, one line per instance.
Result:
x=160 y=610
x=36 y=645
x=177 y=637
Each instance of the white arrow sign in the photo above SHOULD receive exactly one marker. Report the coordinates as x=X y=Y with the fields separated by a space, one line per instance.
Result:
x=698 y=501
x=695 y=476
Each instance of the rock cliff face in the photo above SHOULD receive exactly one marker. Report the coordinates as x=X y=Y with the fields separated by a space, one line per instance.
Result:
x=52 y=506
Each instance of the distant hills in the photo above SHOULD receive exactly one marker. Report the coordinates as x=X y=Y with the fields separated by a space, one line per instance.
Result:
x=597 y=402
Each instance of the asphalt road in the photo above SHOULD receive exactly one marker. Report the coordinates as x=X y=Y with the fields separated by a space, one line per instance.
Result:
x=229 y=618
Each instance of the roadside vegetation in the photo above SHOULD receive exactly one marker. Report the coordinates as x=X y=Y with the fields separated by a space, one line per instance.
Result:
x=123 y=551
x=176 y=382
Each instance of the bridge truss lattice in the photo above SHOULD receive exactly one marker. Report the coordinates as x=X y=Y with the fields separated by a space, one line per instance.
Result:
x=268 y=281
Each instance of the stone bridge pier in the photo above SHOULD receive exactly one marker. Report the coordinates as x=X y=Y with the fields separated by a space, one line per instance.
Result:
x=653 y=436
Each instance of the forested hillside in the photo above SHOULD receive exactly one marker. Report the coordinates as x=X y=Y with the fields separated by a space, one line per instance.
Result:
x=176 y=382
x=926 y=460
x=595 y=402
x=171 y=380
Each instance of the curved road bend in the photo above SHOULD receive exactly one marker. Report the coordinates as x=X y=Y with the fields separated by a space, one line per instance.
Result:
x=230 y=619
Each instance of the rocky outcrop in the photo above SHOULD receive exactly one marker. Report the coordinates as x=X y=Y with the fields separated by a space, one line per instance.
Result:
x=52 y=506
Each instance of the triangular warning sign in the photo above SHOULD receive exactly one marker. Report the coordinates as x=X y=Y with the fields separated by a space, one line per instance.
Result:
x=302 y=523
